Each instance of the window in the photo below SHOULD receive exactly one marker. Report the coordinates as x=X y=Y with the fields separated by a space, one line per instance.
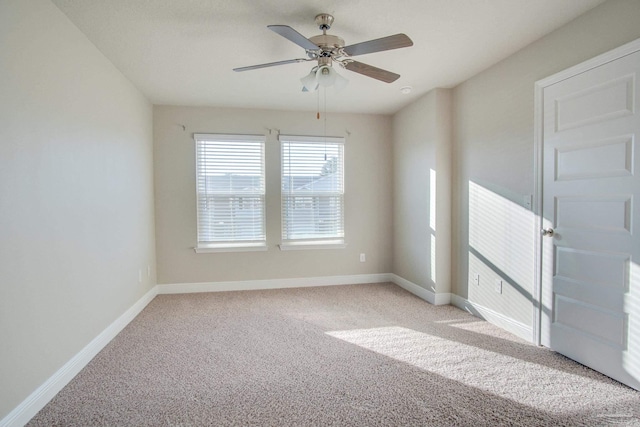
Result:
x=312 y=192
x=230 y=191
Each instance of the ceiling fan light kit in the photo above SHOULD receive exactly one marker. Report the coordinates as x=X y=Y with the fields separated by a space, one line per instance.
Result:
x=327 y=49
x=310 y=81
x=339 y=82
x=324 y=76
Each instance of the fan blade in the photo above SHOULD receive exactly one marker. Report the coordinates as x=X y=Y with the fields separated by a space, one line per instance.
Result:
x=292 y=35
x=271 y=64
x=386 y=43
x=373 y=72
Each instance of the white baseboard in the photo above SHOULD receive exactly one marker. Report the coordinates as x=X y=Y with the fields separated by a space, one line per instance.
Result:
x=517 y=328
x=425 y=294
x=26 y=410
x=252 y=285
x=43 y=394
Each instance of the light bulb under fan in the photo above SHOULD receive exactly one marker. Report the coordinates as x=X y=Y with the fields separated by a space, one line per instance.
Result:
x=324 y=76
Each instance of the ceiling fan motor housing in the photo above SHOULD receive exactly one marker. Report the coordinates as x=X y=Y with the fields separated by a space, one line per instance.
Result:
x=327 y=41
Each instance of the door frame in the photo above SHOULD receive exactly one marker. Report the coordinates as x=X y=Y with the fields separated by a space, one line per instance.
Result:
x=538 y=141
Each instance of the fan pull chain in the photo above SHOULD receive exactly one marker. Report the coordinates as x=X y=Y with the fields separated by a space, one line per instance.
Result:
x=325 y=124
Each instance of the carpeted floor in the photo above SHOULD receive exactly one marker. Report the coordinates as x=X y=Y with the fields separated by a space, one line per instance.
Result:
x=361 y=355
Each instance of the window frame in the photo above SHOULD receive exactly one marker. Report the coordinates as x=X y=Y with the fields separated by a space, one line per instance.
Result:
x=231 y=245
x=333 y=242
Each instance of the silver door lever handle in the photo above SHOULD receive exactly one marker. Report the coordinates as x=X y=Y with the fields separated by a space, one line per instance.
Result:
x=547 y=232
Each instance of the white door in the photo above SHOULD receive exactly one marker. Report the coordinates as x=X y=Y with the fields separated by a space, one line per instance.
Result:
x=591 y=192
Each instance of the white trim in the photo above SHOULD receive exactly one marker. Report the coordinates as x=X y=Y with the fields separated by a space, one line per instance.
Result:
x=425 y=294
x=304 y=282
x=251 y=285
x=29 y=407
x=540 y=85
x=612 y=55
x=443 y=298
x=537 y=210
x=26 y=410
x=510 y=325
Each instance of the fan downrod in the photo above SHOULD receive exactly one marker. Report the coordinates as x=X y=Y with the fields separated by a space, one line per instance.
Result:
x=324 y=21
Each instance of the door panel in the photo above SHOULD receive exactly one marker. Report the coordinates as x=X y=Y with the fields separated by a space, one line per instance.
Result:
x=595 y=213
x=599 y=102
x=591 y=320
x=590 y=192
x=599 y=159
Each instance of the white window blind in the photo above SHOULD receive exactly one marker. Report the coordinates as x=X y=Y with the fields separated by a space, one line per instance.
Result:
x=312 y=190
x=230 y=189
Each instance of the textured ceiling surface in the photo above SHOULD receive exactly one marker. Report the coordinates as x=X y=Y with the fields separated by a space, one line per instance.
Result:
x=183 y=52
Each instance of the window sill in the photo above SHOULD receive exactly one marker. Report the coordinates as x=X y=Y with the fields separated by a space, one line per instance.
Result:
x=299 y=246
x=244 y=247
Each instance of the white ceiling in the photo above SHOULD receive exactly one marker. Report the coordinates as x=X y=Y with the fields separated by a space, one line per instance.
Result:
x=182 y=52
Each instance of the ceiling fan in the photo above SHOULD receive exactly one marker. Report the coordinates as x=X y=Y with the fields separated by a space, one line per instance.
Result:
x=327 y=49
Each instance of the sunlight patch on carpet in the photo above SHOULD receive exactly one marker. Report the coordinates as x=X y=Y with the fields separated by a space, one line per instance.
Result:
x=504 y=375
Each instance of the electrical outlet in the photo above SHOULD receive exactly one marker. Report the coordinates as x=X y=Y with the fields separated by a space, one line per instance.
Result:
x=476 y=280
x=148 y=271
x=498 y=286
x=363 y=257
x=140 y=276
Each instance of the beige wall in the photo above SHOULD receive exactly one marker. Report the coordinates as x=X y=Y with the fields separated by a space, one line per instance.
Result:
x=494 y=154
x=367 y=195
x=422 y=191
x=76 y=206
x=76 y=195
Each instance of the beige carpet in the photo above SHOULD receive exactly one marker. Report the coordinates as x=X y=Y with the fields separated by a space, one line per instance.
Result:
x=362 y=355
